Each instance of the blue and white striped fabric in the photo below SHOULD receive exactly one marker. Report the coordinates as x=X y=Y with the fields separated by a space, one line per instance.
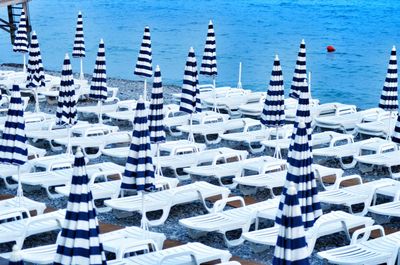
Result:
x=189 y=103
x=303 y=113
x=143 y=65
x=300 y=72
x=273 y=114
x=66 y=106
x=21 y=39
x=35 y=77
x=156 y=116
x=79 y=241
x=13 y=149
x=79 y=41
x=98 y=87
x=291 y=245
x=389 y=97
x=209 y=62
x=300 y=172
x=198 y=100
x=139 y=168
x=396 y=133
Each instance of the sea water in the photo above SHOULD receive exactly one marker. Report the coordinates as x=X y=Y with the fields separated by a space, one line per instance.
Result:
x=250 y=31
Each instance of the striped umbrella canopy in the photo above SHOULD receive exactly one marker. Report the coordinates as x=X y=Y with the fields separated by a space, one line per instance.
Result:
x=156 y=117
x=79 y=241
x=144 y=66
x=35 y=78
x=300 y=172
x=300 y=72
x=13 y=149
x=396 y=133
x=15 y=257
x=291 y=245
x=190 y=102
x=79 y=42
x=98 y=86
x=66 y=107
x=273 y=114
x=21 y=39
x=139 y=169
x=303 y=113
x=209 y=62
x=389 y=100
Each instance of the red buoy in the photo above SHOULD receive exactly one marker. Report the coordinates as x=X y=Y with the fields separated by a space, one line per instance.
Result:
x=330 y=48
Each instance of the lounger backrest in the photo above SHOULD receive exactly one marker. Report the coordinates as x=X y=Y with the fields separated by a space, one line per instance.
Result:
x=185 y=149
x=226 y=158
x=134 y=246
x=105 y=175
x=14 y=214
x=366 y=233
x=345 y=109
x=188 y=253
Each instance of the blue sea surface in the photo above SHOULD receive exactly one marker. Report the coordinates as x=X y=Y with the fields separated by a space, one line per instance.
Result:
x=247 y=31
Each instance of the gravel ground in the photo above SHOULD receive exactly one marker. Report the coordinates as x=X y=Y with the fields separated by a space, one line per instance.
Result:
x=171 y=228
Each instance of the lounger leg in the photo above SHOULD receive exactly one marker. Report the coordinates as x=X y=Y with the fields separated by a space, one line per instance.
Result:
x=255 y=150
x=348 y=165
x=162 y=219
x=9 y=186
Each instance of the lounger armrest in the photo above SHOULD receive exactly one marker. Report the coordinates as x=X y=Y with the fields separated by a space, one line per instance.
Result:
x=59 y=165
x=224 y=156
x=180 y=254
x=366 y=233
x=220 y=204
x=31 y=221
x=104 y=174
x=339 y=138
x=345 y=178
x=134 y=245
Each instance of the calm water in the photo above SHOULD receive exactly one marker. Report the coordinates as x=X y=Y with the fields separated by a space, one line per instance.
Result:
x=251 y=31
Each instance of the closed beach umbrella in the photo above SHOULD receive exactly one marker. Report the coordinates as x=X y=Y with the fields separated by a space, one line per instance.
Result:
x=303 y=113
x=300 y=72
x=13 y=149
x=396 y=133
x=79 y=241
x=15 y=257
x=156 y=116
x=273 y=115
x=389 y=97
x=189 y=95
x=291 y=245
x=66 y=107
x=79 y=43
x=209 y=61
x=301 y=173
x=21 y=39
x=98 y=86
x=144 y=66
x=35 y=78
x=139 y=168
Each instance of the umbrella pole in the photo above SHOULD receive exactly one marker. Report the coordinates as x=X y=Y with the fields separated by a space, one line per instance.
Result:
x=309 y=84
x=158 y=168
x=81 y=77
x=19 y=190
x=36 y=101
x=24 y=65
x=101 y=112
x=215 y=94
x=143 y=223
x=69 y=141
x=277 y=153
x=191 y=137
x=239 y=85
x=389 y=130
x=145 y=90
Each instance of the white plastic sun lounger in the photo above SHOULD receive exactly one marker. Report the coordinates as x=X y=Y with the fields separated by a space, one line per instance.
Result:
x=22 y=202
x=388 y=209
x=53 y=178
x=329 y=223
x=110 y=189
x=231 y=165
x=215 y=126
x=111 y=243
x=389 y=160
x=346 y=153
x=189 y=158
x=207 y=91
x=254 y=110
x=166 y=199
x=170 y=148
x=377 y=128
x=271 y=180
x=33 y=120
x=253 y=134
x=382 y=250
x=233 y=219
x=363 y=193
x=188 y=254
x=323 y=110
x=347 y=123
x=24 y=225
x=179 y=118
x=129 y=114
x=329 y=138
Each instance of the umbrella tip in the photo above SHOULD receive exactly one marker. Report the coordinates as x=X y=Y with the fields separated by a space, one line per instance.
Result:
x=302 y=125
x=15 y=248
x=210 y=23
x=66 y=56
x=303 y=42
x=157 y=68
x=394 y=48
x=276 y=57
x=191 y=49
x=101 y=40
x=292 y=189
x=79 y=12
x=79 y=152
